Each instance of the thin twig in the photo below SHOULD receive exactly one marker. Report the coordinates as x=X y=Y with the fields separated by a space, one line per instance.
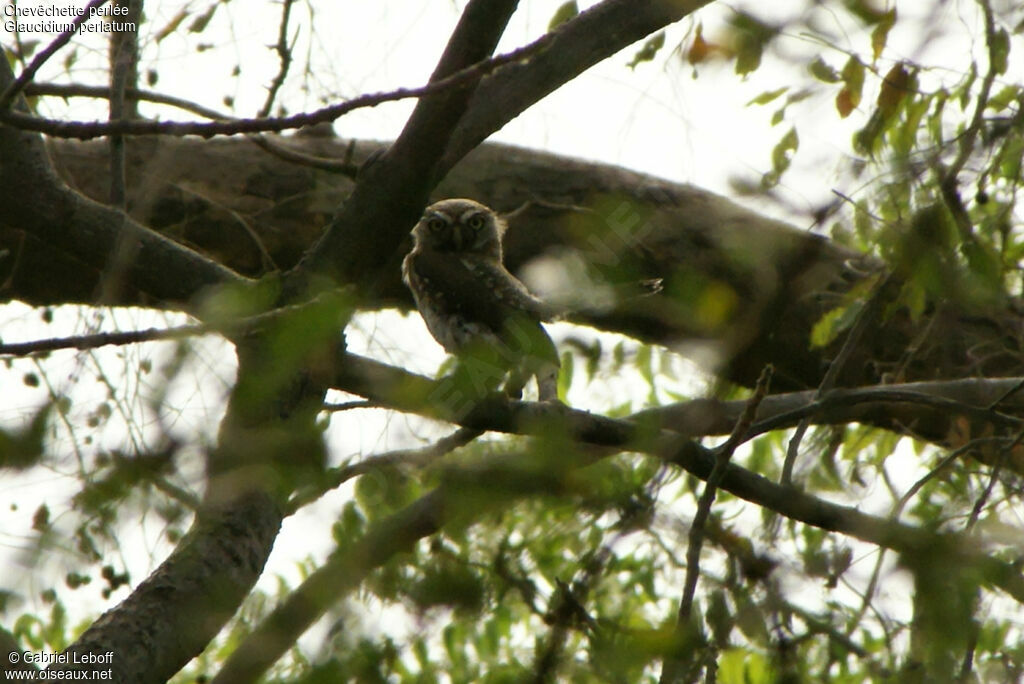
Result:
x=284 y=54
x=931 y=474
x=349 y=405
x=948 y=177
x=1007 y=394
x=865 y=318
x=60 y=41
x=95 y=340
x=567 y=606
x=86 y=130
x=335 y=477
x=1004 y=455
x=723 y=454
x=81 y=90
x=343 y=166
x=970 y=134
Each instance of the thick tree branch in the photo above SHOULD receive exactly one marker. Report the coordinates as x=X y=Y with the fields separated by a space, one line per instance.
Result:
x=622 y=224
x=413 y=393
x=270 y=420
x=178 y=609
x=393 y=190
x=925 y=409
x=39 y=203
x=348 y=565
x=342 y=572
x=578 y=44
x=13 y=663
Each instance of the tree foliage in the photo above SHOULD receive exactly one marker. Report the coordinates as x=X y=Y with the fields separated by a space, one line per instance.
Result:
x=833 y=496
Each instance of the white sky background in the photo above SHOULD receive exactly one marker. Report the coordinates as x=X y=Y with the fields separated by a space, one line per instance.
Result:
x=656 y=119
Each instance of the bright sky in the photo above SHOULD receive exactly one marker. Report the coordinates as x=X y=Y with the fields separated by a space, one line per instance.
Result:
x=657 y=119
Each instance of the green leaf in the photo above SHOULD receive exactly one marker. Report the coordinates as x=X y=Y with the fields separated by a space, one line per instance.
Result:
x=452 y=585
x=1004 y=98
x=1010 y=156
x=751 y=619
x=565 y=12
x=964 y=91
x=41 y=518
x=385 y=490
x=832 y=323
x=645 y=365
x=853 y=87
x=23 y=448
x=999 y=51
x=748 y=59
x=782 y=153
x=880 y=34
x=984 y=264
x=565 y=375
x=69 y=61
x=896 y=86
x=200 y=23
x=865 y=10
x=866 y=141
x=171 y=26
x=649 y=50
x=823 y=72
x=750 y=37
x=767 y=96
x=906 y=136
x=934 y=123
x=853 y=75
x=349 y=525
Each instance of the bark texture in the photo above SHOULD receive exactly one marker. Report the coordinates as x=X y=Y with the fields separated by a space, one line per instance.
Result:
x=740 y=289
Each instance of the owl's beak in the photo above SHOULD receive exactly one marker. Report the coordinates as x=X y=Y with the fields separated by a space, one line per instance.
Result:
x=457 y=237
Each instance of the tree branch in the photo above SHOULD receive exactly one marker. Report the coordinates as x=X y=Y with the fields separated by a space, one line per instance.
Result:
x=85 y=130
x=928 y=407
x=578 y=44
x=348 y=565
x=178 y=609
x=408 y=392
x=13 y=89
x=66 y=90
x=676 y=663
x=343 y=571
x=246 y=486
x=393 y=190
x=36 y=201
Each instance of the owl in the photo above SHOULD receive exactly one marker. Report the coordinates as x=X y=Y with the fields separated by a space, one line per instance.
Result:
x=472 y=306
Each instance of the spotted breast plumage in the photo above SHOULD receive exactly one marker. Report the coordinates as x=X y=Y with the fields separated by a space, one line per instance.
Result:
x=469 y=301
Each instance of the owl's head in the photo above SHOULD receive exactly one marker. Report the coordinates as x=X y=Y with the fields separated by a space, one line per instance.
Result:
x=462 y=226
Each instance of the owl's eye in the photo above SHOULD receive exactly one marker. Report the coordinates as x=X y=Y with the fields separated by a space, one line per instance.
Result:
x=476 y=222
x=437 y=224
